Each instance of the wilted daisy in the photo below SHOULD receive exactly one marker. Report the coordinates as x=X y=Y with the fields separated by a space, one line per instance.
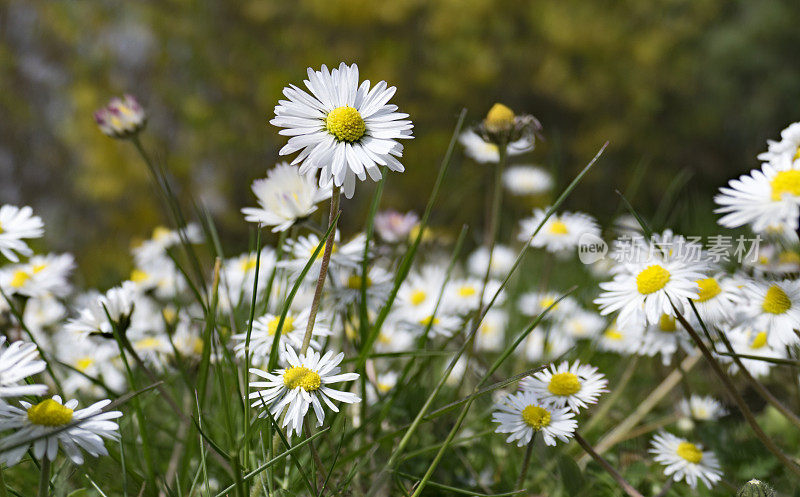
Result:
x=664 y=337
x=775 y=307
x=574 y=386
x=648 y=286
x=16 y=225
x=484 y=151
x=685 y=460
x=52 y=422
x=395 y=227
x=560 y=233
x=702 y=408
x=19 y=360
x=527 y=180
x=285 y=196
x=523 y=414
x=121 y=118
x=292 y=333
x=302 y=385
x=343 y=128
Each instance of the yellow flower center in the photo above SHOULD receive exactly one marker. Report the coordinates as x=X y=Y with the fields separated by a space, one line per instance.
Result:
x=49 y=413
x=248 y=264
x=536 y=417
x=19 y=279
x=467 y=291
x=1 y=228
x=776 y=301
x=789 y=257
x=613 y=334
x=797 y=154
x=149 y=343
x=160 y=233
x=558 y=228
x=272 y=326
x=321 y=252
x=652 y=279
x=547 y=302
x=690 y=452
x=346 y=124
x=499 y=118
x=354 y=282
x=709 y=288
x=138 y=276
x=301 y=376
x=84 y=364
x=759 y=341
x=564 y=384
x=430 y=320
x=418 y=297
x=785 y=182
x=666 y=323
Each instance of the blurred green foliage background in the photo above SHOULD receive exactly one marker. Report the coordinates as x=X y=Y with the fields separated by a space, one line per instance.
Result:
x=681 y=88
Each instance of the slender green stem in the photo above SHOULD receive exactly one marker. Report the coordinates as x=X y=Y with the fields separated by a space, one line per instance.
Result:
x=44 y=479
x=3 y=492
x=627 y=487
x=323 y=269
x=525 y=465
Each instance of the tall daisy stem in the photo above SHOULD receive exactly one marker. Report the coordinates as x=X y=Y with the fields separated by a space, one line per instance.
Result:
x=627 y=487
x=323 y=270
x=44 y=480
x=525 y=465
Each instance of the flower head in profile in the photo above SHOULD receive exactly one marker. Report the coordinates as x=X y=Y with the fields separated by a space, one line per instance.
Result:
x=121 y=118
x=685 y=460
x=50 y=423
x=342 y=127
x=574 y=386
x=395 y=227
x=502 y=126
x=302 y=385
x=527 y=180
x=284 y=196
x=18 y=361
x=702 y=408
x=487 y=152
x=523 y=414
x=17 y=224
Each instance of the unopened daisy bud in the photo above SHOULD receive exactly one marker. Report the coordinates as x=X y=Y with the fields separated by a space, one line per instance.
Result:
x=499 y=119
x=121 y=118
x=755 y=488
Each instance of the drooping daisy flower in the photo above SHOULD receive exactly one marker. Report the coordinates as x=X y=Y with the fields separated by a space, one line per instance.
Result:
x=394 y=227
x=560 y=233
x=17 y=224
x=485 y=152
x=685 y=460
x=121 y=118
x=18 y=361
x=302 y=385
x=702 y=408
x=292 y=333
x=502 y=260
x=52 y=422
x=343 y=128
x=652 y=281
x=574 y=386
x=527 y=180
x=523 y=414
x=284 y=196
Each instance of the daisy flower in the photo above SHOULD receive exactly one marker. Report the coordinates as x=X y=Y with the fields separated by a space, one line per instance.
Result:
x=622 y=341
x=664 y=337
x=463 y=295
x=486 y=152
x=302 y=385
x=17 y=224
x=52 y=423
x=343 y=128
x=19 y=360
x=685 y=460
x=523 y=414
x=393 y=337
x=527 y=180
x=162 y=240
x=117 y=304
x=395 y=227
x=343 y=255
x=716 y=299
x=542 y=345
x=774 y=307
x=292 y=333
x=534 y=303
x=121 y=118
x=647 y=286
x=582 y=324
x=764 y=198
x=746 y=340
x=574 y=386
x=379 y=285
x=418 y=293
x=238 y=276
x=40 y=276
x=89 y=358
x=491 y=331
x=702 y=408
x=560 y=233
x=787 y=149
x=441 y=324
x=502 y=261
x=284 y=196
